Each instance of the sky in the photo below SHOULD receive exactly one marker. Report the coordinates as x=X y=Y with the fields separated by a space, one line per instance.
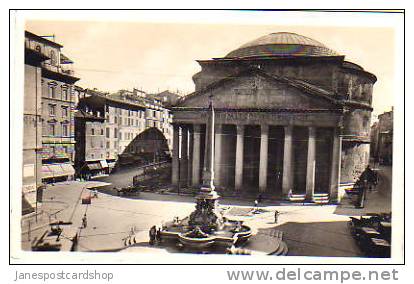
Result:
x=162 y=56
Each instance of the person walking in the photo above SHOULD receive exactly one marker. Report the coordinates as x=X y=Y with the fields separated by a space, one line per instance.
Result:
x=259 y=198
x=277 y=213
x=256 y=204
x=84 y=221
x=152 y=235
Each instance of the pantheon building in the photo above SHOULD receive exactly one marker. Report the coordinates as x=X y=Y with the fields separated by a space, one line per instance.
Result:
x=290 y=115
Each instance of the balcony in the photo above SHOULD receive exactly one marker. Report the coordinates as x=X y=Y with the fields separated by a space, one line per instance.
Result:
x=58 y=69
x=58 y=73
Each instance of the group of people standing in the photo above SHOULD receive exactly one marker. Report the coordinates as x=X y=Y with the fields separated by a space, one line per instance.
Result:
x=155 y=235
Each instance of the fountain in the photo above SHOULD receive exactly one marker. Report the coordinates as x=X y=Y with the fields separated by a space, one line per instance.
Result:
x=206 y=227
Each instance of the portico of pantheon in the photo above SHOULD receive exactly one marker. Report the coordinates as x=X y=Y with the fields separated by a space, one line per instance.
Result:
x=290 y=115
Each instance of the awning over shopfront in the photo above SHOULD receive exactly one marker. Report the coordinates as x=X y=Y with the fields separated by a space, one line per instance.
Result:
x=57 y=170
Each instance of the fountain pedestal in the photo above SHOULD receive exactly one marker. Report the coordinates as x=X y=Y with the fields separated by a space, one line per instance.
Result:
x=206 y=215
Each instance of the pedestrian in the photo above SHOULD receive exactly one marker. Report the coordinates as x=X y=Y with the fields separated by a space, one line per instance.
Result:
x=158 y=235
x=256 y=204
x=95 y=193
x=152 y=235
x=259 y=198
x=277 y=213
x=290 y=193
x=84 y=221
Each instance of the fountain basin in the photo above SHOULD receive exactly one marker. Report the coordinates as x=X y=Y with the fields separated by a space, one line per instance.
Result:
x=223 y=238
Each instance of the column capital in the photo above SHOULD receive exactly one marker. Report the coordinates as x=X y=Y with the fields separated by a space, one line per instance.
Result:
x=288 y=129
x=264 y=128
x=240 y=128
x=312 y=131
x=218 y=127
x=196 y=128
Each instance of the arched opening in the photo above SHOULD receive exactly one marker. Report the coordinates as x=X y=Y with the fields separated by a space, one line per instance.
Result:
x=150 y=146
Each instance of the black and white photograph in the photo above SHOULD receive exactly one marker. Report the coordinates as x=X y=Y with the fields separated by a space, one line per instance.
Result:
x=190 y=136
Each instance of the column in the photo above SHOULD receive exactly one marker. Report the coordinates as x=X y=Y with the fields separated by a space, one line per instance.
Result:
x=287 y=161
x=195 y=181
x=175 y=155
x=239 y=157
x=335 y=167
x=264 y=142
x=310 y=168
x=190 y=143
x=184 y=155
x=218 y=153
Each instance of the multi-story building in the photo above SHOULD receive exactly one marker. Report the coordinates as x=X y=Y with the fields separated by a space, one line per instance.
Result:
x=57 y=110
x=124 y=120
x=167 y=98
x=90 y=157
x=132 y=123
x=156 y=115
x=382 y=138
x=32 y=126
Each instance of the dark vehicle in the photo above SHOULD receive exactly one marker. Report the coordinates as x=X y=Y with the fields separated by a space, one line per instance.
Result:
x=373 y=234
x=128 y=191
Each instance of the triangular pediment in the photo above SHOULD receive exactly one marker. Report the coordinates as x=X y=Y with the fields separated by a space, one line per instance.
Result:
x=257 y=90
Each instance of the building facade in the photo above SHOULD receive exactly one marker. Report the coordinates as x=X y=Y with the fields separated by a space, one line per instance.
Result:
x=90 y=160
x=128 y=116
x=57 y=110
x=382 y=138
x=32 y=126
x=291 y=115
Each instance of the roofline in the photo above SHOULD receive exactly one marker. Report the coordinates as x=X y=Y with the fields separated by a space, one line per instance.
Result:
x=39 y=38
x=309 y=88
x=274 y=57
x=364 y=72
x=109 y=99
x=286 y=44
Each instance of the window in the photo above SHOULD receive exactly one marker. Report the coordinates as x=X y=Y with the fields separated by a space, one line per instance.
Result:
x=120 y=135
x=108 y=144
x=65 y=129
x=102 y=131
x=116 y=133
x=52 y=129
x=102 y=144
x=65 y=111
x=115 y=119
x=108 y=133
x=52 y=109
x=92 y=131
x=64 y=94
x=52 y=92
x=92 y=144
